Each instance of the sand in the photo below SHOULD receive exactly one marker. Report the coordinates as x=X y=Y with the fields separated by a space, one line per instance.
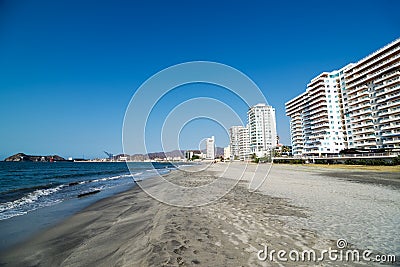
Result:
x=133 y=229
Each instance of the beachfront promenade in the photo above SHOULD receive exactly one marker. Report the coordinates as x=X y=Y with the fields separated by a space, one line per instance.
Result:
x=293 y=208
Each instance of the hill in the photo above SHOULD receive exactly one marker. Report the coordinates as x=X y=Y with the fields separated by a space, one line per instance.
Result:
x=30 y=158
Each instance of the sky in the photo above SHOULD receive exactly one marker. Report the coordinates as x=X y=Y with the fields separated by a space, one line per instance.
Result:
x=68 y=69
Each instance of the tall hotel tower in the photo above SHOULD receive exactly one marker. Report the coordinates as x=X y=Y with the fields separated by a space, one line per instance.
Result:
x=316 y=119
x=372 y=100
x=262 y=129
x=239 y=142
x=210 y=148
x=357 y=107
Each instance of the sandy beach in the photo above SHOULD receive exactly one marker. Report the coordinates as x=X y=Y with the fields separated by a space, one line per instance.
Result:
x=294 y=208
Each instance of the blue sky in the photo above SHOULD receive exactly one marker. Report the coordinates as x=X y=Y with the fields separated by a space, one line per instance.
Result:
x=68 y=69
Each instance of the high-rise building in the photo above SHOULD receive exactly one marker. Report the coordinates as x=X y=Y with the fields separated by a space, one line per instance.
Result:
x=262 y=129
x=294 y=109
x=357 y=106
x=244 y=143
x=239 y=142
x=234 y=141
x=210 y=147
x=316 y=125
x=227 y=152
x=371 y=97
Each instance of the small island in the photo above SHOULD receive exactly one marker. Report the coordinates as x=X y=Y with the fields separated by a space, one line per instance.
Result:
x=21 y=157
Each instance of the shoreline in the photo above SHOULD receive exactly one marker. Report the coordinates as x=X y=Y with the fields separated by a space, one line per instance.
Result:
x=131 y=228
x=45 y=218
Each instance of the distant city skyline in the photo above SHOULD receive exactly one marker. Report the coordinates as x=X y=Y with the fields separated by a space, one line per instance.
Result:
x=69 y=69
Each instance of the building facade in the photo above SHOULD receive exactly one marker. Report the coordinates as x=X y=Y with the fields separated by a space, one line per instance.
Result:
x=357 y=107
x=244 y=143
x=227 y=152
x=317 y=123
x=239 y=142
x=262 y=129
x=372 y=100
x=294 y=109
x=210 y=148
x=234 y=141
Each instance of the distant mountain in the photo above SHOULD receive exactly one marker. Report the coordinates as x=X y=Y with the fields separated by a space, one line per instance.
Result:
x=24 y=157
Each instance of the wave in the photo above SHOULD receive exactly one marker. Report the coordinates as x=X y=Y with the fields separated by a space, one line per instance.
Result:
x=23 y=200
x=93 y=173
x=103 y=179
x=30 y=198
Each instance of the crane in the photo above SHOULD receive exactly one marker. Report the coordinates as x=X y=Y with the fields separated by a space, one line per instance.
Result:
x=109 y=155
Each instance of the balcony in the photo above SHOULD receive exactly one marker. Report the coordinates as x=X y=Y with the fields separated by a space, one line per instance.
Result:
x=364 y=111
x=394 y=111
x=350 y=85
x=368 y=124
x=377 y=66
x=318 y=110
x=389 y=97
x=388 y=83
x=391 y=126
x=390 y=119
x=364 y=131
x=364 y=137
x=391 y=141
x=357 y=107
x=360 y=100
x=393 y=104
x=311 y=105
x=392 y=134
x=388 y=76
x=389 y=90
x=319 y=95
x=355 y=94
x=319 y=115
x=362 y=118
x=376 y=59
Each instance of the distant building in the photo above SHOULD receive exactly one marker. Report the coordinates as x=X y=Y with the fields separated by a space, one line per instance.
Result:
x=262 y=129
x=227 y=152
x=210 y=147
x=189 y=155
x=239 y=142
x=123 y=158
x=244 y=143
x=234 y=141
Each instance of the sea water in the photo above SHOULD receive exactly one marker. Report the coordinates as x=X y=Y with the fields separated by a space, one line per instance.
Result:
x=35 y=195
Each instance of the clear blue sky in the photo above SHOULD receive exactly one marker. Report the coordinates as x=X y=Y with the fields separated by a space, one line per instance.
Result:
x=69 y=68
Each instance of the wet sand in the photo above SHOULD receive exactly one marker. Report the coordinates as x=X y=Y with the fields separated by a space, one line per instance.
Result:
x=294 y=208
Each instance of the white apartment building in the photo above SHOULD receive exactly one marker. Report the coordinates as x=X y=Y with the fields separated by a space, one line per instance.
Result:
x=244 y=143
x=294 y=109
x=316 y=124
x=371 y=96
x=239 y=142
x=357 y=106
x=234 y=141
x=262 y=129
x=210 y=147
x=227 y=152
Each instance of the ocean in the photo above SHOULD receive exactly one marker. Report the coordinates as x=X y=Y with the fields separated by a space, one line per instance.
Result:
x=44 y=193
